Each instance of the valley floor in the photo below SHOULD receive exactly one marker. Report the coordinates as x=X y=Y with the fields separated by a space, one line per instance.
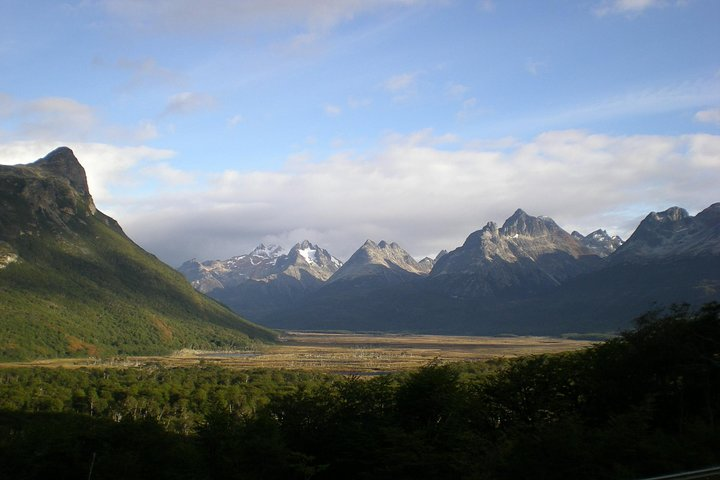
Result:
x=344 y=353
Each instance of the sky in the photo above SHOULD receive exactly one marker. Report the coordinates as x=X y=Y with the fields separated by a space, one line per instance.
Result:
x=208 y=127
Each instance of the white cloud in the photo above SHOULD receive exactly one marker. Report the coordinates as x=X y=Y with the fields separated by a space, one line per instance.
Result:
x=711 y=115
x=186 y=103
x=168 y=175
x=429 y=191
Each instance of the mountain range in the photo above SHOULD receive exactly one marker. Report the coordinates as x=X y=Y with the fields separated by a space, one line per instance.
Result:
x=73 y=284
x=526 y=276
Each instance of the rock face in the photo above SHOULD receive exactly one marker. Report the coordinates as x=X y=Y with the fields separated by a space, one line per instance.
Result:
x=305 y=262
x=50 y=194
x=527 y=255
x=72 y=283
x=307 y=259
x=387 y=261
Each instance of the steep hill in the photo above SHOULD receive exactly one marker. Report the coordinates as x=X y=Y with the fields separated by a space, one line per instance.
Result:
x=72 y=283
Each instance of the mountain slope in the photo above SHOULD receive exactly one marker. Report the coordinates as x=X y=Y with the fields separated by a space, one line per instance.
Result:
x=72 y=283
x=526 y=256
x=214 y=274
x=673 y=233
x=379 y=262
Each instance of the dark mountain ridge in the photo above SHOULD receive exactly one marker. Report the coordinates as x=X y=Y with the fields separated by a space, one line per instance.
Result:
x=531 y=277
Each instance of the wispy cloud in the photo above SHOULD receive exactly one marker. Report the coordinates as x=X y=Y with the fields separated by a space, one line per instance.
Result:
x=49 y=118
x=146 y=71
x=469 y=109
x=235 y=120
x=332 y=110
x=189 y=102
x=652 y=100
x=402 y=86
x=486 y=5
x=535 y=67
x=357 y=102
x=632 y=7
x=711 y=115
x=183 y=16
x=456 y=90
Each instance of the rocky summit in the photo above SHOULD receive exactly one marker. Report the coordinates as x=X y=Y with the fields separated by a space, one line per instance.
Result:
x=383 y=260
x=599 y=242
x=265 y=279
x=216 y=274
x=526 y=255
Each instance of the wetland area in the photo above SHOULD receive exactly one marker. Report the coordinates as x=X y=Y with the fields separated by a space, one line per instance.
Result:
x=343 y=353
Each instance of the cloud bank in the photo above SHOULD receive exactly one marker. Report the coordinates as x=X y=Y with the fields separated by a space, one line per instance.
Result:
x=425 y=191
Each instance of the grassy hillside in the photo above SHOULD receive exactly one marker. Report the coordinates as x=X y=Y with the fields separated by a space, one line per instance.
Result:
x=103 y=295
x=72 y=283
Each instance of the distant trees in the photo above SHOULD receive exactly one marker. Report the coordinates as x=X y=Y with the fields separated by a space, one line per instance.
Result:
x=644 y=403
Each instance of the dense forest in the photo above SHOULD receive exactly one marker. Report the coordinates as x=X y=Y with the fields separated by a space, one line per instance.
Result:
x=644 y=403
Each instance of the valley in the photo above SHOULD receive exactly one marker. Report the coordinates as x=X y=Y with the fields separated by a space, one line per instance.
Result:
x=340 y=353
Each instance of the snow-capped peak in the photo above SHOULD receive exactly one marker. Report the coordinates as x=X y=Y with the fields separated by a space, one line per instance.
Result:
x=267 y=251
x=309 y=254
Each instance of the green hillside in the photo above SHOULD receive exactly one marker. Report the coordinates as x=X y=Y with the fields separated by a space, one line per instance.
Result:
x=72 y=283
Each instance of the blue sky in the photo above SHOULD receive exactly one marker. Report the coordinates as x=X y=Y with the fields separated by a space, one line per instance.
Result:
x=209 y=126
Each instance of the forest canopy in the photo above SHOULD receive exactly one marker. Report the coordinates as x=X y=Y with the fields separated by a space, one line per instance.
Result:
x=644 y=403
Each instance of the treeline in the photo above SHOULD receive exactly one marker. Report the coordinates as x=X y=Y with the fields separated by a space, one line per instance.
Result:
x=645 y=403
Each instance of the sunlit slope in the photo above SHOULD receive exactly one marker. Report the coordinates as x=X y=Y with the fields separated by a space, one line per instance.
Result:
x=72 y=283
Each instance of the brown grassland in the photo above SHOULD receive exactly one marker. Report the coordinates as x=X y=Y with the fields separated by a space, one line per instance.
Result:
x=343 y=353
